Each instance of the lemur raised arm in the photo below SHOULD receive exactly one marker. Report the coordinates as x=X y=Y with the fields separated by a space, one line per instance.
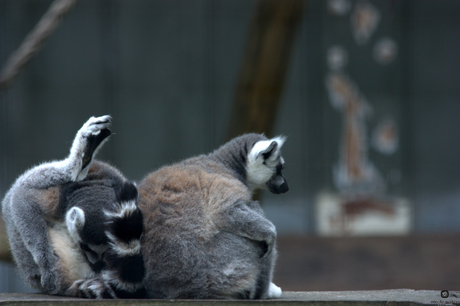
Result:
x=74 y=226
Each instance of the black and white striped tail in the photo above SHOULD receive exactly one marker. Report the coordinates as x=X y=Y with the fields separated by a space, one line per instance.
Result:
x=124 y=269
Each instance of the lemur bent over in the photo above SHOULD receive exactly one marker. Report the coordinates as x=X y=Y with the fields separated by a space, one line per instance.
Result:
x=74 y=226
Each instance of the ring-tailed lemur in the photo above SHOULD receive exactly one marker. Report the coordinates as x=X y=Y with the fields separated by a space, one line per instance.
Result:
x=74 y=226
x=204 y=236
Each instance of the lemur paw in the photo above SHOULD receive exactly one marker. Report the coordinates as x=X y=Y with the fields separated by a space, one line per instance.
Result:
x=88 y=140
x=48 y=282
x=50 y=279
x=94 y=125
x=94 y=288
x=274 y=291
x=35 y=280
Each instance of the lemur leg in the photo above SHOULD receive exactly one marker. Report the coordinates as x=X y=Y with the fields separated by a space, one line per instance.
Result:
x=27 y=266
x=28 y=214
x=34 y=234
x=75 y=167
x=248 y=221
x=86 y=144
x=265 y=288
x=268 y=264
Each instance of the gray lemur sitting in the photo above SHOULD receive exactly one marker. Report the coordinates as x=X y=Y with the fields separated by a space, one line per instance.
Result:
x=204 y=236
x=74 y=226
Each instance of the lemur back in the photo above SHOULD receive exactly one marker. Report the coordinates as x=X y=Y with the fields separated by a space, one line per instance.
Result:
x=74 y=225
x=204 y=237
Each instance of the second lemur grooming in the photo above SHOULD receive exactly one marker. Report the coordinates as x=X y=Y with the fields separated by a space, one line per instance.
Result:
x=74 y=226
x=204 y=236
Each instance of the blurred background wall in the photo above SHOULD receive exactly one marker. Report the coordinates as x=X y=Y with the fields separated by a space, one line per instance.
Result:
x=370 y=105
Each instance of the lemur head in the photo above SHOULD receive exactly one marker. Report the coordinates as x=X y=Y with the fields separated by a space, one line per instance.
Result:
x=264 y=166
x=102 y=215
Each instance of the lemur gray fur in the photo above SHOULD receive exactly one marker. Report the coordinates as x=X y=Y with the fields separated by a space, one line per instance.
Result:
x=74 y=226
x=204 y=236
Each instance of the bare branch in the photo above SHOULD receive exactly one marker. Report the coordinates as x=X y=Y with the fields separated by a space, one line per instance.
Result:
x=34 y=41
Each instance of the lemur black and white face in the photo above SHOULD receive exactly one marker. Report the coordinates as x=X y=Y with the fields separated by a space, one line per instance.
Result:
x=75 y=221
x=264 y=166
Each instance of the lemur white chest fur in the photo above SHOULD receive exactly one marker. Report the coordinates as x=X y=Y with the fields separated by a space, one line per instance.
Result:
x=73 y=262
x=204 y=237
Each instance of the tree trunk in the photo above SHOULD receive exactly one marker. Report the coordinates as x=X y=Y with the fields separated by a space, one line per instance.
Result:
x=263 y=67
x=5 y=254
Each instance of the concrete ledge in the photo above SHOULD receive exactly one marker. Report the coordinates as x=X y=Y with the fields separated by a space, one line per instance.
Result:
x=334 y=298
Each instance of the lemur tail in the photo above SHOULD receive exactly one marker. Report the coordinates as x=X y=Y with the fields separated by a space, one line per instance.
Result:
x=125 y=264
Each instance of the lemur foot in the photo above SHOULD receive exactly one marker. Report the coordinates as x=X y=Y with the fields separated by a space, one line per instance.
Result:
x=51 y=281
x=89 y=138
x=94 y=288
x=48 y=282
x=274 y=291
x=93 y=128
x=94 y=125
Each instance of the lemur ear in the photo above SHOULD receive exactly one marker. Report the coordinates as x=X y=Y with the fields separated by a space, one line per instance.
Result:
x=75 y=220
x=269 y=150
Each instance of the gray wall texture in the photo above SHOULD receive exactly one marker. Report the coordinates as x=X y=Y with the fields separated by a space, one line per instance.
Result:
x=166 y=71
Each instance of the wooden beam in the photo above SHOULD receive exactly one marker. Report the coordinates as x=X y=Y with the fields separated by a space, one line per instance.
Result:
x=394 y=297
x=263 y=67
